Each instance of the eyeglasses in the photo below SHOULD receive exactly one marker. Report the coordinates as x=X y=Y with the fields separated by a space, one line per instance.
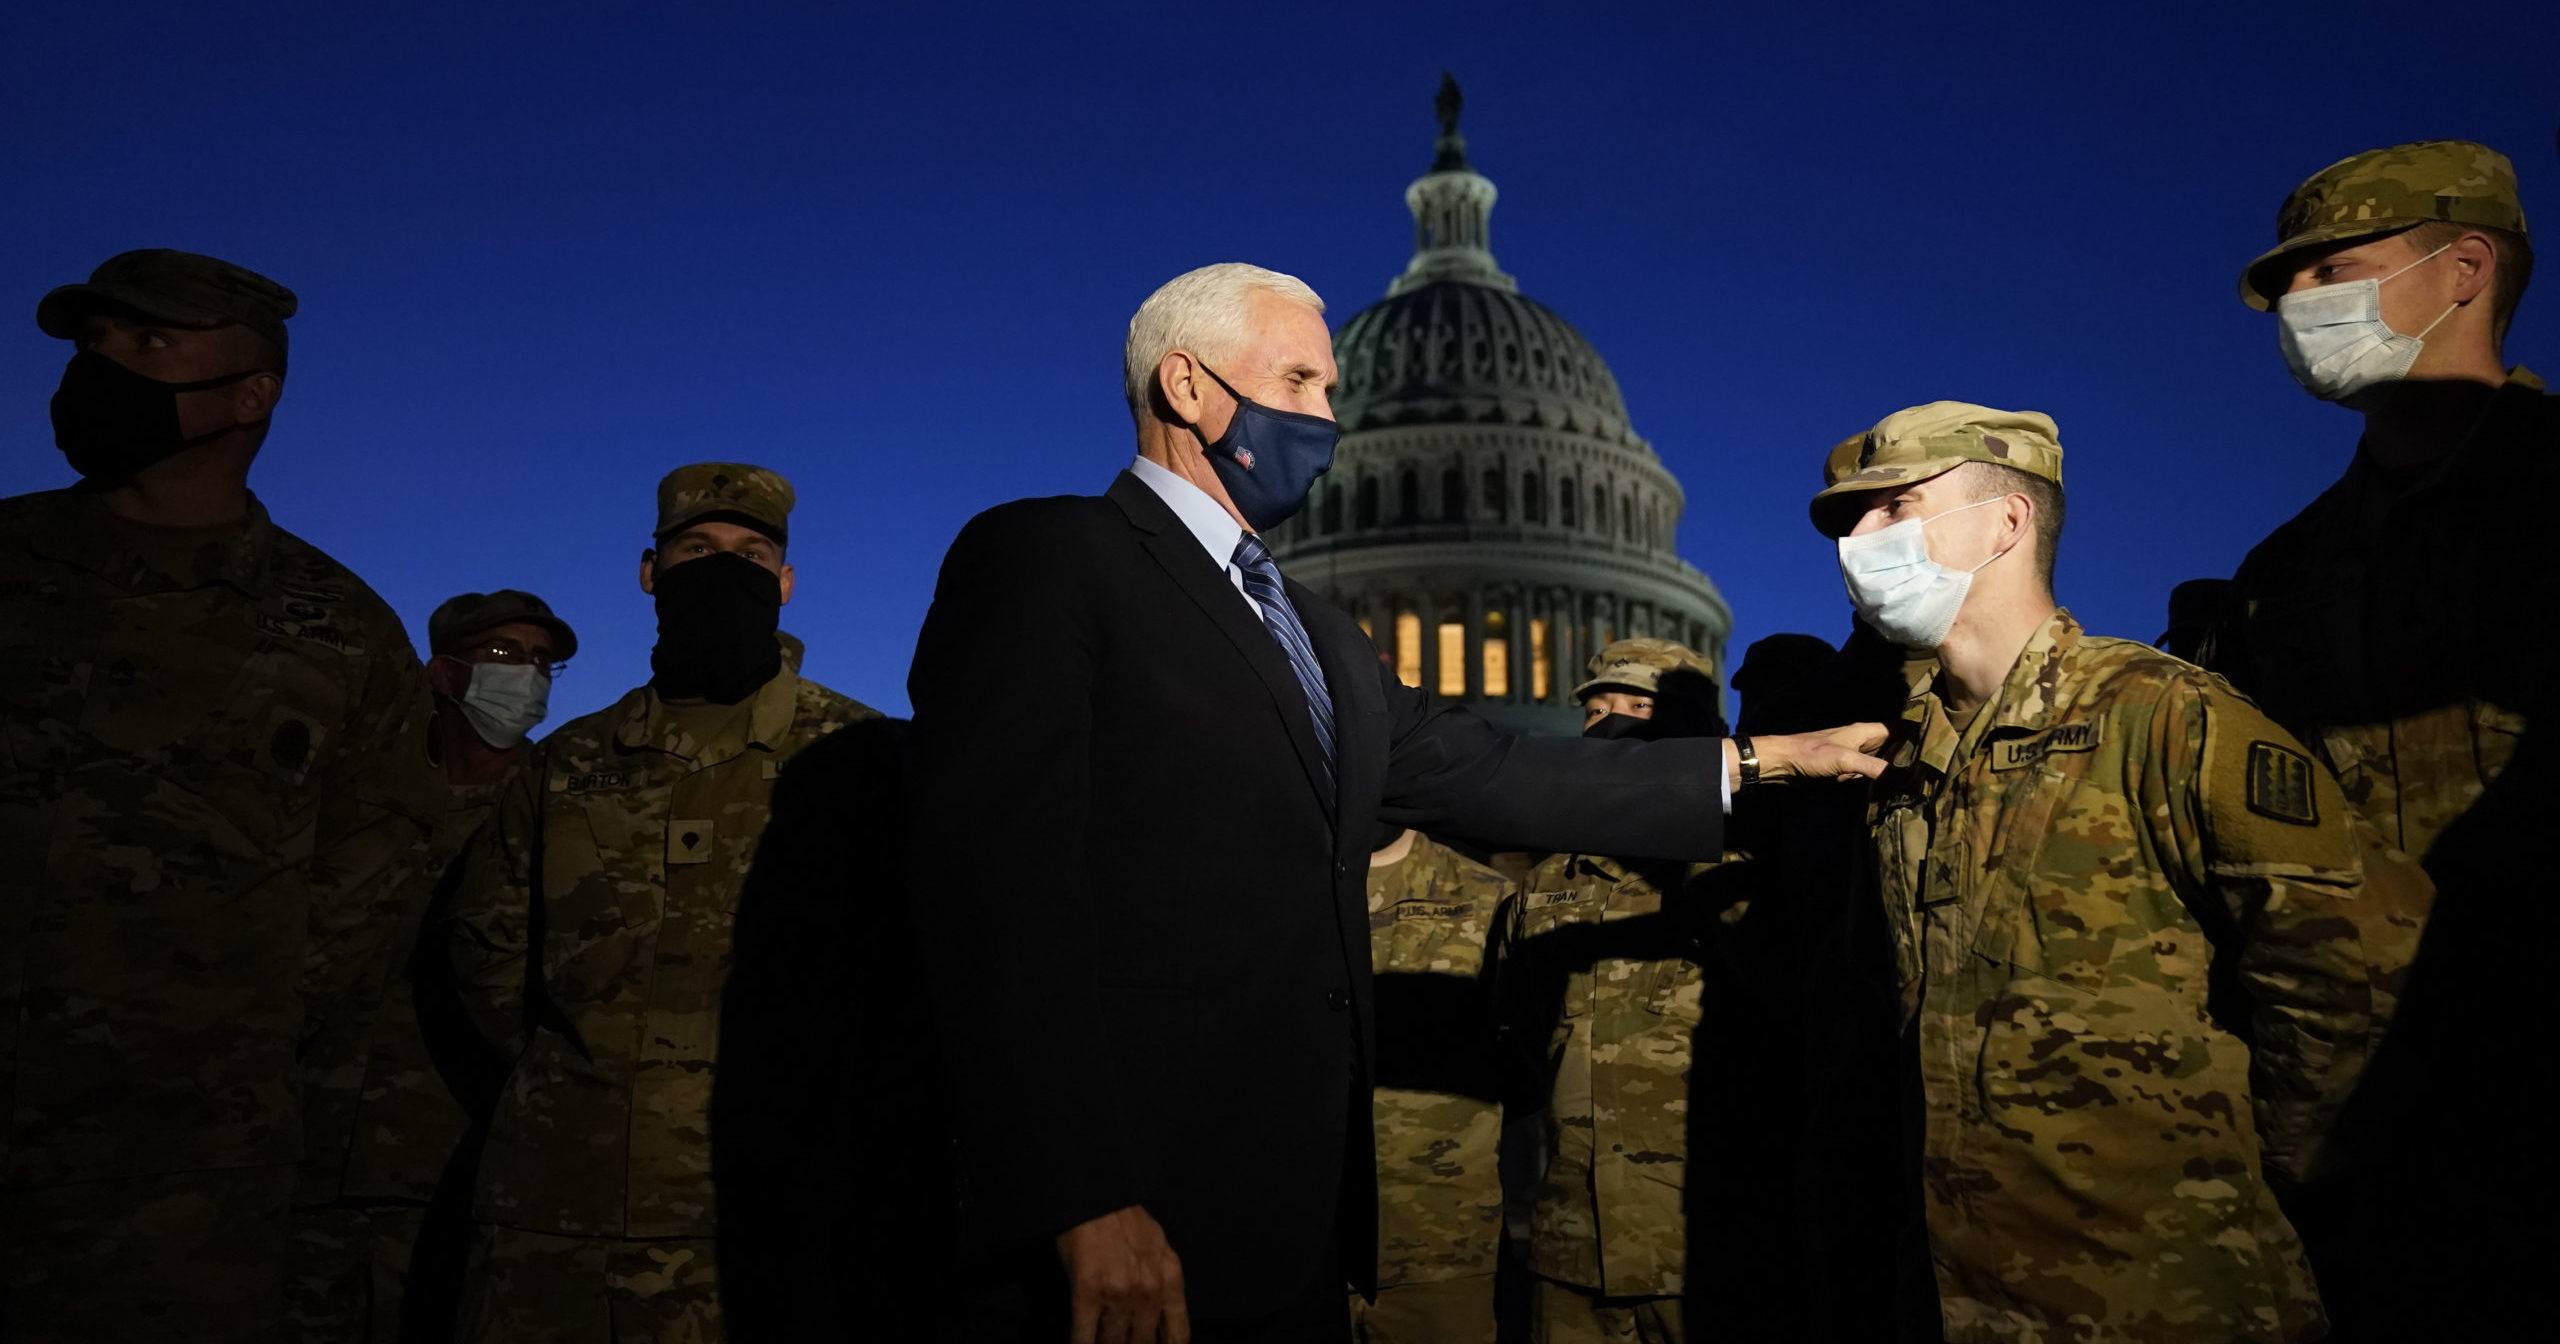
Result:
x=510 y=652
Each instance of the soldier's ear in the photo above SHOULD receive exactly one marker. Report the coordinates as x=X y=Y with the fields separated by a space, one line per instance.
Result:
x=649 y=572
x=448 y=676
x=785 y=575
x=2475 y=260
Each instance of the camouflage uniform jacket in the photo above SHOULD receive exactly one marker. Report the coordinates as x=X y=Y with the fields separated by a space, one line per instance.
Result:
x=215 y=795
x=1609 y=974
x=2062 y=879
x=643 y=839
x=2382 y=629
x=408 y=1121
x=1439 y=1138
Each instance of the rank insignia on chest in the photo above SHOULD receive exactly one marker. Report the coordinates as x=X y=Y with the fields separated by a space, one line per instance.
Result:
x=689 y=841
x=2280 y=785
x=2016 y=752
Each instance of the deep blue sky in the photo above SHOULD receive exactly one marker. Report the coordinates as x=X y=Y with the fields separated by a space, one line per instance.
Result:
x=548 y=251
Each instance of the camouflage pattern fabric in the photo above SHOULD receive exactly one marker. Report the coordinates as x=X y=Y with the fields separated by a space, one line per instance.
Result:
x=1920 y=442
x=704 y=489
x=1432 y=1311
x=217 y=784
x=2061 y=879
x=347 y=1270
x=644 y=819
x=1439 y=1182
x=186 y=289
x=357 y=1234
x=408 y=1121
x=1639 y=664
x=2380 y=627
x=1560 y=1314
x=1608 y=974
x=2389 y=627
x=533 y=1288
x=176 y=1256
x=2384 y=191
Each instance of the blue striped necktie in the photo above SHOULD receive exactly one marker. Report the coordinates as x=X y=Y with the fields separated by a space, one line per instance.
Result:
x=1262 y=584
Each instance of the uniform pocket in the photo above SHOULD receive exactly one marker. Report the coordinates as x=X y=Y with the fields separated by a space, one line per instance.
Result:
x=2046 y=909
x=596 y=883
x=1558 y=946
x=1677 y=991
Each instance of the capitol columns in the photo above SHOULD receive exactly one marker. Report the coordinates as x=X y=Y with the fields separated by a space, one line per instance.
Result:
x=1516 y=628
x=1471 y=620
x=1426 y=610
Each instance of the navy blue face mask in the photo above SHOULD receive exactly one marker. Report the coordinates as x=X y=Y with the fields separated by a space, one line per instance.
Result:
x=1268 y=459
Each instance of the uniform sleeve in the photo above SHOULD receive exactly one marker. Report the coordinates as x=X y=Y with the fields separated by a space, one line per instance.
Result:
x=2327 y=916
x=373 y=840
x=373 y=833
x=488 y=927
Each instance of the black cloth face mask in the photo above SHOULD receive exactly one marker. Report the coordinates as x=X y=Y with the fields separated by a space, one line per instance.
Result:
x=1624 y=727
x=716 y=622
x=112 y=422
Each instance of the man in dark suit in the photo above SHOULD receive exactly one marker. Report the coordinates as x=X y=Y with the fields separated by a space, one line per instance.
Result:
x=1156 y=1017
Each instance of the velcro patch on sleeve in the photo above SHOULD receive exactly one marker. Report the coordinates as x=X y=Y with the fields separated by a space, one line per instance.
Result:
x=2280 y=784
x=2267 y=801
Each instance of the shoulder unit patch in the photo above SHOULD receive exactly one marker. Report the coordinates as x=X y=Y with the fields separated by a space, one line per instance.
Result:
x=2280 y=785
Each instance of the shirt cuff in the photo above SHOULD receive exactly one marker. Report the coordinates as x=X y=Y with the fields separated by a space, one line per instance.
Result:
x=1724 y=780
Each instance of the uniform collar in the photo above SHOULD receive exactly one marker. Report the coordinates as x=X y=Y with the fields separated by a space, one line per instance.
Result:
x=84 y=535
x=645 y=723
x=2030 y=697
x=2480 y=460
x=2035 y=694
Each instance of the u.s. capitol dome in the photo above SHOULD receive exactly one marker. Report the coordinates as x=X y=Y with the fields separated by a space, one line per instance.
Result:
x=1492 y=518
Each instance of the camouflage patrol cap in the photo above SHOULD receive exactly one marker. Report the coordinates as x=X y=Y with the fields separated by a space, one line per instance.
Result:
x=182 y=289
x=2384 y=191
x=1639 y=665
x=727 y=492
x=1924 y=441
x=465 y=615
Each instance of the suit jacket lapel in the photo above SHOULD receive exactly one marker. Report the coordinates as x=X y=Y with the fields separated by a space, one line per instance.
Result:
x=1205 y=582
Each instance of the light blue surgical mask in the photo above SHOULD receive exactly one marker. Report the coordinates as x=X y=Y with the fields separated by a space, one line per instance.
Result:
x=1908 y=597
x=504 y=701
x=2336 y=343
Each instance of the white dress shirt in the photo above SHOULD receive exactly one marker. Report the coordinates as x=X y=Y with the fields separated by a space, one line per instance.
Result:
x=1208 y=520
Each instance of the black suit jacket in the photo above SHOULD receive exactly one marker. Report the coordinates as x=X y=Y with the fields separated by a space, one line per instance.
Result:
x=1145 y=936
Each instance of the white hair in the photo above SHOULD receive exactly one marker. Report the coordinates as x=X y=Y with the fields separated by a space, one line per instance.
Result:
x=1203 y=311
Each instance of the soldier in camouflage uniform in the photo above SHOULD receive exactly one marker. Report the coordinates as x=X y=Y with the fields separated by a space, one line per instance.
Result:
x=216 y=796
x=423 y=1077
x=1439 y=1124
x=615 y=865
x=2144 y=948
x=2389 y=627
x=1609 y=955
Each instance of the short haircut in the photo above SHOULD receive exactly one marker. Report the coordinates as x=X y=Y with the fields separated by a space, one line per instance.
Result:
x=1990 y=480
x=2507 y=281
x=1202 y=311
